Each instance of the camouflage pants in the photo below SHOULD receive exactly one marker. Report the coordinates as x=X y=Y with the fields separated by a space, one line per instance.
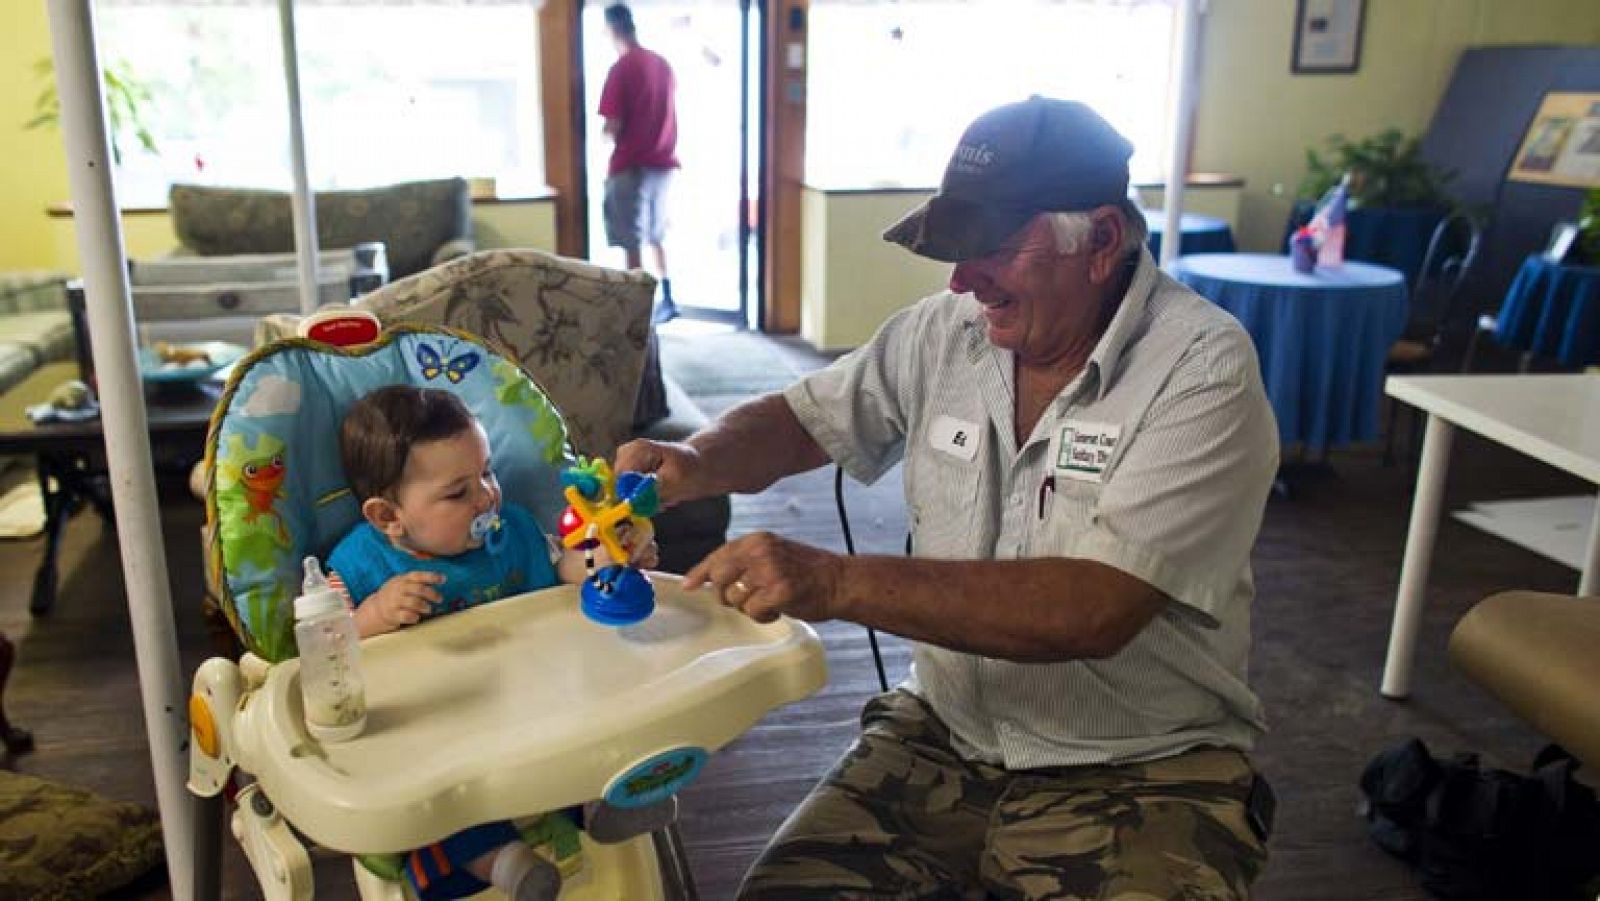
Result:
x=903 y=816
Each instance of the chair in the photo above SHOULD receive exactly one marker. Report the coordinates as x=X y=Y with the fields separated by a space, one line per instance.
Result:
x=421 y=223
x=1452 y=253
x=503 y=711
x=1535 y=653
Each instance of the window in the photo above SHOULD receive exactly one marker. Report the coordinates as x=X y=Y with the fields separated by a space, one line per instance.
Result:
x=389 y=91
x=892 y=83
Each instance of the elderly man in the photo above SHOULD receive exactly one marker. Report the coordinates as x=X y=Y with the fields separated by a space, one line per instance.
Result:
x=1087 y=453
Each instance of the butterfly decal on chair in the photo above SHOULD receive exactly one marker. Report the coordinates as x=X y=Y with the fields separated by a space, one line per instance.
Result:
x=434 y=364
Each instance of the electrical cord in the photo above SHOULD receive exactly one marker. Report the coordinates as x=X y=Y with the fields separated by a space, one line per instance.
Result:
x=850 y=548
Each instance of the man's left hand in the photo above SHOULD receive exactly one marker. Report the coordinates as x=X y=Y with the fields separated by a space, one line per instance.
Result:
x=765 y=576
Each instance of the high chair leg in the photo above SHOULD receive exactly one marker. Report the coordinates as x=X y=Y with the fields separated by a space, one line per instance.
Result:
x=677 y=881
x=281 y=863
x=208 y=848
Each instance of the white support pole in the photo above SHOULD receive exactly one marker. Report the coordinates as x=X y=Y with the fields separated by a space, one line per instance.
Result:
x=1180 y=122
x=127 y=436
x=305 y=204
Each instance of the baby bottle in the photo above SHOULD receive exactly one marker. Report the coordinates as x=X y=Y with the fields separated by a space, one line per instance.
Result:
x=330 y=660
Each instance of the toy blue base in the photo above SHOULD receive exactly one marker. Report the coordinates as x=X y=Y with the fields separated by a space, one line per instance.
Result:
x=618 y=596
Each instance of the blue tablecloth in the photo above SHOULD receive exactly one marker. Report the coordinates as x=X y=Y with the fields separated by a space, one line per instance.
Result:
x=1322 y=338
x=1201 y=234
x=1553 y=311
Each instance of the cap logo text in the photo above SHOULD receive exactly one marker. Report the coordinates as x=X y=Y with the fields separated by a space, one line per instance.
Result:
x=969 y=158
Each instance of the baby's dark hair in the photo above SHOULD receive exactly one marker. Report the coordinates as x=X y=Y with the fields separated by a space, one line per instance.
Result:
x=380 y=429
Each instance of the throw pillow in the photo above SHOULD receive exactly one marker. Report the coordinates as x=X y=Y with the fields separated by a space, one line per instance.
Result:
x=57 y=841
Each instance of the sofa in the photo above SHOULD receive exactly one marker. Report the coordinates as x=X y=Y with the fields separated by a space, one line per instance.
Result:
x=584 y=333
x=35 y=324
x=420 y=223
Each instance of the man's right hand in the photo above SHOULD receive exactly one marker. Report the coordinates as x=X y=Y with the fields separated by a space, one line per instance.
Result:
x=675 y=465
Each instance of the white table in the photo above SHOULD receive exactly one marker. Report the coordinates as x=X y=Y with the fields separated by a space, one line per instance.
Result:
x=1552 y=418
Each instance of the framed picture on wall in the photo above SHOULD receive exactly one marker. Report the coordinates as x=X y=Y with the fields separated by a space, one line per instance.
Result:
x=1562 y=145
x=1327 y=36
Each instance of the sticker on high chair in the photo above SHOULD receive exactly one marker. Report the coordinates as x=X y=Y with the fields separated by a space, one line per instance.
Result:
x=656 y=778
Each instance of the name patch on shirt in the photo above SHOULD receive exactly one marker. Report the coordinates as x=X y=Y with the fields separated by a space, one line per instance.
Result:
x=956 y=437
x=1085 y=448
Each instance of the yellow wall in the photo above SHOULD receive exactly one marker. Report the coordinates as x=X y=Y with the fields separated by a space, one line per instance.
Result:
x=34 y=173
x=530 y=224
x=852 y=279
x=33 y=169
x=1256 y=120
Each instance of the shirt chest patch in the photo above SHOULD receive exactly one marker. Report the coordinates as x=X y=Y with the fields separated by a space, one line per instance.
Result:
x=1082 y=450
x=956 y=437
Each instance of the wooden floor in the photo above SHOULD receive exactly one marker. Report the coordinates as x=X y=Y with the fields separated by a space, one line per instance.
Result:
x=1326 y=569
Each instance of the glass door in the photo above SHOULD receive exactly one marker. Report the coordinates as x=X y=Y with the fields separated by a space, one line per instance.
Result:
x=712 y=240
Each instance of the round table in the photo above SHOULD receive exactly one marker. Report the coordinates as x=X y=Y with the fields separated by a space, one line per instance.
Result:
x=1200 y=234
x=1322 y=337
x=1553 y=311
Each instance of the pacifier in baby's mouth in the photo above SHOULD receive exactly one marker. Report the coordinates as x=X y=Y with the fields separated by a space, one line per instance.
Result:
x=485 y=528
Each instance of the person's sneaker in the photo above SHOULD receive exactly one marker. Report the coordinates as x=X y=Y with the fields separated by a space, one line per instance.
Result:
x=665 y=311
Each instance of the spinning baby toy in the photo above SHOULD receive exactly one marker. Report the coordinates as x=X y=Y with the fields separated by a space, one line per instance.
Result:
x=614 y=513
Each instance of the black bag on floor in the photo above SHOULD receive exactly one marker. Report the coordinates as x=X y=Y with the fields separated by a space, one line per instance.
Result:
x=1486 y=834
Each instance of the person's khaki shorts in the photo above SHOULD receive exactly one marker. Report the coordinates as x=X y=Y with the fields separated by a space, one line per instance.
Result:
x=636 y=207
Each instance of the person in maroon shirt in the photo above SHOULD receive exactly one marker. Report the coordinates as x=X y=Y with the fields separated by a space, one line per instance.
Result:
x=642 y=121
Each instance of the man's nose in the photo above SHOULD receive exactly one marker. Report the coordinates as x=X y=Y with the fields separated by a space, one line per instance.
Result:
x=969 y=276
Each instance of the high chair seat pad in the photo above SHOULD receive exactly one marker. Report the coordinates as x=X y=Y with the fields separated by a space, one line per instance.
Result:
x=277 y=489
x=517 y=707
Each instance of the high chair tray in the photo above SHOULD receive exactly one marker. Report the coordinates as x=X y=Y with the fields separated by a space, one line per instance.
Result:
x=518 y=707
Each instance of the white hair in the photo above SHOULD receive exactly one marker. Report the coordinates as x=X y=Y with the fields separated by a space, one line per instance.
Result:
x=1071 y=230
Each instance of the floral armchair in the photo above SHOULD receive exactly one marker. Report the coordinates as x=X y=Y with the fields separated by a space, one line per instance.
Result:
x=421 y=223
x=583 y=332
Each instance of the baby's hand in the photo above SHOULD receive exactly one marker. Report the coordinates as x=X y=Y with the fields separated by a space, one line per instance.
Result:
x=402 y=601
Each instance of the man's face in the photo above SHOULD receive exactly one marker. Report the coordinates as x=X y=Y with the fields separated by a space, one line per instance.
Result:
x=1037 y=302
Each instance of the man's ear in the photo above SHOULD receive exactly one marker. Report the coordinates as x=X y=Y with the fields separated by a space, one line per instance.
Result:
x=1106 y=230
x=383 y=515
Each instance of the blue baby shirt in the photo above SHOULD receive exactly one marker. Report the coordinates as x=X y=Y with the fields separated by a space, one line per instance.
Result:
x=519 y=561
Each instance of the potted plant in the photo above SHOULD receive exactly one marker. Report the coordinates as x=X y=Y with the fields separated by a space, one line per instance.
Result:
x=1588 y=250
x=127 y=101
x=1396 y=197
x=1386 y=171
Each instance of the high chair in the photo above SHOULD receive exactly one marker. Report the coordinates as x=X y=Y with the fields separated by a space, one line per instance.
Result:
x=502 y=711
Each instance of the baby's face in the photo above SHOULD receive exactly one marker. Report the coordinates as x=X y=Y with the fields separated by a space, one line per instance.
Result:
x=445 y=485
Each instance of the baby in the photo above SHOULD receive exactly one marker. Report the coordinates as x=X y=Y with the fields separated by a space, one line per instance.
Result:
x=436 y=539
